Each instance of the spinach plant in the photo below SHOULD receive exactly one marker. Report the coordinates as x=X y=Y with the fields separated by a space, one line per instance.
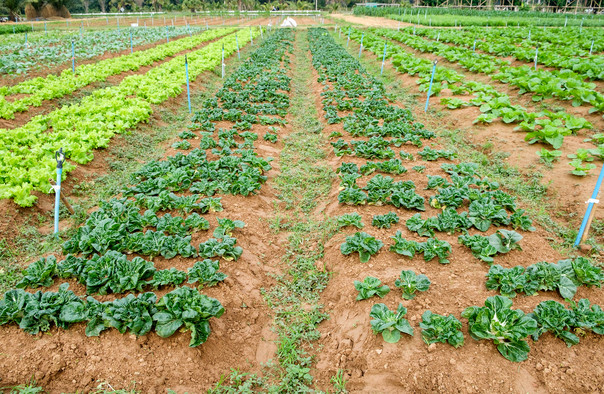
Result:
x=363 y=243
x=385 y=221
x=350 y=219
x=390 y=324
x=206 y=273
x=410 y=283
x=370 y=287
x=439 y=328
x=186 y=307
x=506 y=327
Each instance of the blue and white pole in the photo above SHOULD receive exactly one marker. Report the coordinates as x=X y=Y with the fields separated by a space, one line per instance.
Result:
x=73 y=57
x=383 y=58
x=361 y=47
x=536 y=56
x=582 y=235
x=237 y=41
x=60 y=158
x=223 y=65
x=188 y=89
x=348 y=41
x=592 y=47
x=430 y=87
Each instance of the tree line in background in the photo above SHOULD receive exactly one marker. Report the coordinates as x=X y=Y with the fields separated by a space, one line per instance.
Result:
x=18 y=7
x=523 y=5
x=62 y=8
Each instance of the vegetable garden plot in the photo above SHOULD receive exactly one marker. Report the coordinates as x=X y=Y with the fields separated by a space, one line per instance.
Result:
x=27 y=160
x=38 y=90
x=573 y=54
x=543 y=127
x=10 y=43
x=493 y=104
x=6 y=29
x=167 y=211
x=563 y=85
x=442 y=16
x=51 y=52
x=367 y=134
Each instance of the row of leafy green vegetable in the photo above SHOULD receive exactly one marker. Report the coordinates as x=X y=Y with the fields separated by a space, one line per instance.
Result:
x=19 y=58
x=544 y=126
x=27 y=153
x=106 y=230
x=495 y=321
x=507 y=328
x=113 y=272
x=571 y=57
x=184 y=306
x=37 y=90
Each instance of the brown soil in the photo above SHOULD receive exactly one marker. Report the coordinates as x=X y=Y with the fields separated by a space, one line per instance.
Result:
x=371 y=21
x=372 y=365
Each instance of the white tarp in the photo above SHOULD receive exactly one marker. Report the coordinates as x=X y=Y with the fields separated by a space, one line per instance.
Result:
x=289 y=22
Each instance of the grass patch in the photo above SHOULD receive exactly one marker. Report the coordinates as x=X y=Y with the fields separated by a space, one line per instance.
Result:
x=305 y=180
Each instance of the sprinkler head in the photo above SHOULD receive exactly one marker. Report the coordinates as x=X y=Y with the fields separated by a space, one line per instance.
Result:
x=60 y=158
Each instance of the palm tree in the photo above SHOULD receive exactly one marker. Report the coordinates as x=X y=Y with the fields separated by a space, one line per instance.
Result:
x=303 y=5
